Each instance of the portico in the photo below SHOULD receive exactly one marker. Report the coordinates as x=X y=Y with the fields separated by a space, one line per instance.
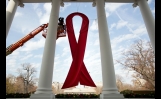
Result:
x=110 y=90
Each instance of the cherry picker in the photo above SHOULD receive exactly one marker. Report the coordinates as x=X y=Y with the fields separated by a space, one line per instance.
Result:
x=61 y=32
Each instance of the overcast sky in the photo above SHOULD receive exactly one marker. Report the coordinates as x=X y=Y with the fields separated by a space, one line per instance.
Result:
x=125 y=25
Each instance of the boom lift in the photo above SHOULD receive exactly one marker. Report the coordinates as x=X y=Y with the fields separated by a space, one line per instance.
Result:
x=61 y=32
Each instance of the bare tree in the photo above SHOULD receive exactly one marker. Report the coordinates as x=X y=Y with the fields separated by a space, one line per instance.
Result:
x=10 y=83
x=26 y=73
x=140 y=58
x=19 y=85
x=127 y=86
x=119 y=82
x=121 y=85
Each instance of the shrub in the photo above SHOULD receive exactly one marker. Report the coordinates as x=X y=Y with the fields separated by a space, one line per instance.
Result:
x=132 y=94
x=18 y=95
x=77 y=96
x=126 y=93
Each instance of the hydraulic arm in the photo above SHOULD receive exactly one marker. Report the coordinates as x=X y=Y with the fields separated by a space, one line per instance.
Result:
x=19 y=43
x=61 y=32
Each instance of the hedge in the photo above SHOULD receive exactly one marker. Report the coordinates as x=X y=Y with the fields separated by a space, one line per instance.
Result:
x=126 y=93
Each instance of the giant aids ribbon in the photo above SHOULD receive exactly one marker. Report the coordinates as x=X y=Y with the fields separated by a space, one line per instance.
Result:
x=78 y=72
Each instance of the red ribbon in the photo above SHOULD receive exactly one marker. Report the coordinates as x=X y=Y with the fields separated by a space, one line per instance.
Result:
x=78 y=72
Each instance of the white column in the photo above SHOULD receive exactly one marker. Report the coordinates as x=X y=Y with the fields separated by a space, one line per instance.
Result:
x=109 y=90
x=10 y=12
x=148 y=20
x=44 y=90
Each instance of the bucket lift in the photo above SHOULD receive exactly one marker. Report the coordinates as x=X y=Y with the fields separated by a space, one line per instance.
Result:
x=61 y=32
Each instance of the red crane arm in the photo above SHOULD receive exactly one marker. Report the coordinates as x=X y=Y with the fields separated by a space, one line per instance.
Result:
x=19 y=43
